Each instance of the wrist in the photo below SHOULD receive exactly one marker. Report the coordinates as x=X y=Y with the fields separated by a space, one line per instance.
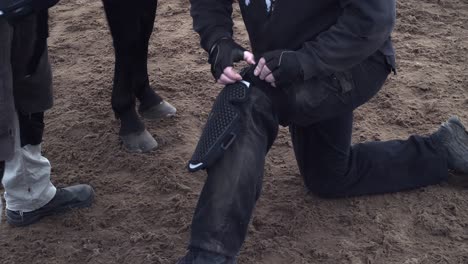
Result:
x=216 y=43
x=209 y=41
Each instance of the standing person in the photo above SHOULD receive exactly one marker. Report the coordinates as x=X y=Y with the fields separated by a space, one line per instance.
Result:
x=131 y=25
x=317 y=62
x=25 y=93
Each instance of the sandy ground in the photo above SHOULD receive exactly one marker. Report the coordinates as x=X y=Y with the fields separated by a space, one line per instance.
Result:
x=145 y=202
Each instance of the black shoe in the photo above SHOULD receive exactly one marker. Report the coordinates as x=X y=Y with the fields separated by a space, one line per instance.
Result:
x=453 y=137
x=204 y=257
x=77 y=196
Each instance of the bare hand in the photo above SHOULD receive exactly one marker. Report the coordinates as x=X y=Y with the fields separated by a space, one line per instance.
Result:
x=264 y=73
x=230 y=75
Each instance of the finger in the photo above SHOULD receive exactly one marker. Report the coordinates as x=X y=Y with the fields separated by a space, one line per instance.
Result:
x=249 y=57
x=259 y=67
x=273 y=84
x=223 y=79
x=265 y=72
x=238 y=55
x=232 y=74
x=270 y=78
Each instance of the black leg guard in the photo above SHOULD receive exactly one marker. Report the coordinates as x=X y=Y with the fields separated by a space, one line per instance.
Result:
x=222 y=126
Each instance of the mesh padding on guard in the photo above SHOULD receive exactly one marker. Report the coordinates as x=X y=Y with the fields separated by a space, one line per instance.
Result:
x=221 y=127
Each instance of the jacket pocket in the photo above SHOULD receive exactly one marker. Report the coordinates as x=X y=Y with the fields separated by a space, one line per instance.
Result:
x=343 y=82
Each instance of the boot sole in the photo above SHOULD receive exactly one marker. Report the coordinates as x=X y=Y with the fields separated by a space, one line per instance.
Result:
x=458 y=144
x=20 y=221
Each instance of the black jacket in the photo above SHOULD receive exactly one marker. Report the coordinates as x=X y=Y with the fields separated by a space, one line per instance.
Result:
x=329 y=35
x=15 y=8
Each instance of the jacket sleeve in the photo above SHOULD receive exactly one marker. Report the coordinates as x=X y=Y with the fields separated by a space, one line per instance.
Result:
x=7 y=102
x=361 y=30
x=211 y=20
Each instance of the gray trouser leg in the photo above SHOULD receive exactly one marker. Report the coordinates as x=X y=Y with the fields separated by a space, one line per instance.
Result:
x=27 y=177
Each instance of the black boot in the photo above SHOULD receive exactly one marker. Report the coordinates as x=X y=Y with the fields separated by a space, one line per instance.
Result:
x=77 y=196
x=453 y=138
x=195 y=256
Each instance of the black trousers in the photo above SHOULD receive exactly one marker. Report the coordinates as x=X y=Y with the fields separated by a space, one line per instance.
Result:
x=131 y=24
x=320 y=117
